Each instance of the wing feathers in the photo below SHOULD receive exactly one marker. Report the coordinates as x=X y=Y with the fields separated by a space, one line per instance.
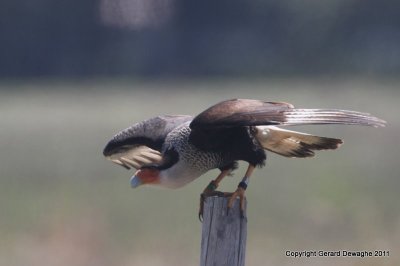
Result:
x=241 y=112
x=245 y=112
x=291 y=143
x=140 y=144
x=137 y=157
x=330 y=116
x=129 y=163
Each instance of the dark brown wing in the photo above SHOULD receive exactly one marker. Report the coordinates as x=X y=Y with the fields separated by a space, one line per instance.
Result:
x=245 y=112
x=224 y=124
x=241 y=112
x=140 y=144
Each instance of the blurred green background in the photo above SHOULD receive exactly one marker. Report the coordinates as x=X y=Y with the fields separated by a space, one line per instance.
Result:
x=74 y=74
x=62 y=203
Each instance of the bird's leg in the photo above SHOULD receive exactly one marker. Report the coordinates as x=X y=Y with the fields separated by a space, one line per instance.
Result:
x=210 y=190
x=240 y=191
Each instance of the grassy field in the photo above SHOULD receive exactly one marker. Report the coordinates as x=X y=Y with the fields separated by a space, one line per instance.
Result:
x=62 y=203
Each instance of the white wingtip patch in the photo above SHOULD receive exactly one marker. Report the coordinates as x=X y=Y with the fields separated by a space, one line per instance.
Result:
x=136 y=157
x=130 y=162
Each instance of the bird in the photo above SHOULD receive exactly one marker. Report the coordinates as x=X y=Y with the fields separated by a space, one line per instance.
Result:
x=173 y=150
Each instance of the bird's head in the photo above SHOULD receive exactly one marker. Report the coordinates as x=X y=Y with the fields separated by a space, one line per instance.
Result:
x=145 y=176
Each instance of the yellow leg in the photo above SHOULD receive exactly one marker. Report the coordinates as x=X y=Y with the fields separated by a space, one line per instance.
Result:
x=210 y=190
x=240 y=191
x=215 y=183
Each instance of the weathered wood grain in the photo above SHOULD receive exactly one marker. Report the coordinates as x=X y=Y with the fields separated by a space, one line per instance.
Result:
x=223 y=241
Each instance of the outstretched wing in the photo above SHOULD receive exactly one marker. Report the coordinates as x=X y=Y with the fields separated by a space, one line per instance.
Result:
x=217 y=126
x=241 y=112
x=246 y=112
x=140 y=145
x=291 y=143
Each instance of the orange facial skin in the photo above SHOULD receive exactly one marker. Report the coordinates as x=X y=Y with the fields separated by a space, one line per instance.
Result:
x=148 y=176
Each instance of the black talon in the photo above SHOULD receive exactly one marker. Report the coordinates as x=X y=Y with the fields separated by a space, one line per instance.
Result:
x=202 y=199
x=218 y=194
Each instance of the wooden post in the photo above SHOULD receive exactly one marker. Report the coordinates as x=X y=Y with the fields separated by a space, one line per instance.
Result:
x=223 y=240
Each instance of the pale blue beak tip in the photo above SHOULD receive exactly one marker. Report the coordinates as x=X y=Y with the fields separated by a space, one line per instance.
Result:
x=135 y=182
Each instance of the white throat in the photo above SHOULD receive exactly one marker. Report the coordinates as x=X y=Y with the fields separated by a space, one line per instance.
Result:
x=179 y=175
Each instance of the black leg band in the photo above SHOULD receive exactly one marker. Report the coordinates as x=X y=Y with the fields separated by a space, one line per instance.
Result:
x=243 y=185
x=212 y=186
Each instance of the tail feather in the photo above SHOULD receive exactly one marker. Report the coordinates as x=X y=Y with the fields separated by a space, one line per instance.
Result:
x=330 y=116
x=293 y=144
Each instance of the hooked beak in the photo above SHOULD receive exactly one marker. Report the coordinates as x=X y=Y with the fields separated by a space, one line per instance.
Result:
x=135 y=181
x=145 y=176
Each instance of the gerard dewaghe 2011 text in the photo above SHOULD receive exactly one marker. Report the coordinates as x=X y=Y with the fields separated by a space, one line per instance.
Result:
x=337 y=253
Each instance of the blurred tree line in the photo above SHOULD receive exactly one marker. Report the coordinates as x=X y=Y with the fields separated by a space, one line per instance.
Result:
x=61 y=38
